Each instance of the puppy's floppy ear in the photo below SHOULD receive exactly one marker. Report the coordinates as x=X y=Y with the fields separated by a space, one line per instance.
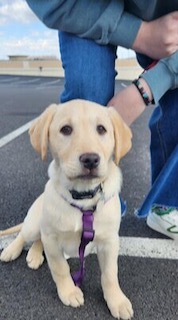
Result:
x=122 y=135
x=39 y=131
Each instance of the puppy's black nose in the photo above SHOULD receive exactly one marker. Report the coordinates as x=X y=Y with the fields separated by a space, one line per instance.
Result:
x=90 y=160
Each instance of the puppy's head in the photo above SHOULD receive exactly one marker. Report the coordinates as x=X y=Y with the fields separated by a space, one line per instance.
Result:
x=83 y=136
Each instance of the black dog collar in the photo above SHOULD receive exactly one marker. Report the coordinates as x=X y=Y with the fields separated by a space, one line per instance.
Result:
x=85 y=194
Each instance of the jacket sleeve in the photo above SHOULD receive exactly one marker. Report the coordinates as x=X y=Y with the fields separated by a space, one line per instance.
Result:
x=104 y=21
x=163 y=77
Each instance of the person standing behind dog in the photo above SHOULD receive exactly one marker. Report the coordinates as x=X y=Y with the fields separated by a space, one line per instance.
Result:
x=89 y=33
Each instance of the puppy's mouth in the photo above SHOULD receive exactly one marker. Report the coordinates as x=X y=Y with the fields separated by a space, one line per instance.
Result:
x=83 y=177
x=88 y=168
x=88 y=174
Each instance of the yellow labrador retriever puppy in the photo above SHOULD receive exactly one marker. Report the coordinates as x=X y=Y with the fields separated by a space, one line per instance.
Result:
x=86 y=141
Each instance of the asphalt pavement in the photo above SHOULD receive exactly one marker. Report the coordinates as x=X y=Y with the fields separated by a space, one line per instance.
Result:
x=149 y=279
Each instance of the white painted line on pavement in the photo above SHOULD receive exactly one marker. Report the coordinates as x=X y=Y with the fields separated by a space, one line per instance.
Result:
x=14 y=134
x=133 y=247
x=27 y=81
x=11 y=80
x=51 y=82
x=149 y=248
x=45 y=84
x=6 y=240
x=123 y=85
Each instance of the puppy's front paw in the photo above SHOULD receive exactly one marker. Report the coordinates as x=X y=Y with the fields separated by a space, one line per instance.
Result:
x=34 y=259
x=73 y=298
x=10 y=253
x=120 y=307
x=35 y=256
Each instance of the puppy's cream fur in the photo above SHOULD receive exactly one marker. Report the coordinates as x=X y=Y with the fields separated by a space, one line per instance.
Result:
x=71 y=130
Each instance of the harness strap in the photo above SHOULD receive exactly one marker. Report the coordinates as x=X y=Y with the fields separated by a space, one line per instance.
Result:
x=87 y=236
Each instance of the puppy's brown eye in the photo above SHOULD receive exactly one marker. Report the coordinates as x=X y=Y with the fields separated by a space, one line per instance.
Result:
x=66 y=130
x=101 y=129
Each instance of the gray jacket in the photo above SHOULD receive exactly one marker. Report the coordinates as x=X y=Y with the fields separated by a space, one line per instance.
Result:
x=112 y=21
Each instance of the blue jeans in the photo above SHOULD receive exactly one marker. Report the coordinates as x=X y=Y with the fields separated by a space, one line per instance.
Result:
x=163 y=150
x=89 y=69
x=164 y=154
x=90 y=75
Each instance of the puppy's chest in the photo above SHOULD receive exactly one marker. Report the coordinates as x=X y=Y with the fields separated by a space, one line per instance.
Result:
x=71 y=222
x=71 y=240
x=104 y=225
x=66 y=223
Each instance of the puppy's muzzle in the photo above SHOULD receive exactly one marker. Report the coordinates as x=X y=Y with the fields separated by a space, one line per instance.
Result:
x=90 y=161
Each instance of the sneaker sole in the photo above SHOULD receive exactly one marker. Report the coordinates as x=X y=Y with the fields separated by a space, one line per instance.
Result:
x=156 y=227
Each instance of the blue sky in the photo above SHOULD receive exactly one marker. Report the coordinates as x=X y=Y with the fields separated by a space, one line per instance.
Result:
x=22 y=33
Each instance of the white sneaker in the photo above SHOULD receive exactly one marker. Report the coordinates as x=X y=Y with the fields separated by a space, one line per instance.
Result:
x=164 y=220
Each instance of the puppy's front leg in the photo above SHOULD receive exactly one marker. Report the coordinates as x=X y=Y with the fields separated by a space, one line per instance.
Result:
x=69 y=294
x=118 y=303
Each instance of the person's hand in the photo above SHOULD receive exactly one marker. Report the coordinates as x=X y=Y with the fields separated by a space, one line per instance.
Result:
x=158 y=38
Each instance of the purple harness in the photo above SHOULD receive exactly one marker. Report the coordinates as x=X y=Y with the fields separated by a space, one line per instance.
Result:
x=87 y=236
x=87 y=230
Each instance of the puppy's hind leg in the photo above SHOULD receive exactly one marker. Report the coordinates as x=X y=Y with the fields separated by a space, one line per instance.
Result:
x=35 y=256
x=13 y=250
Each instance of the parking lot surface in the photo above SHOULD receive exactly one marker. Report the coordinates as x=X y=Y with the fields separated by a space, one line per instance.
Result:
x=148 y=264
